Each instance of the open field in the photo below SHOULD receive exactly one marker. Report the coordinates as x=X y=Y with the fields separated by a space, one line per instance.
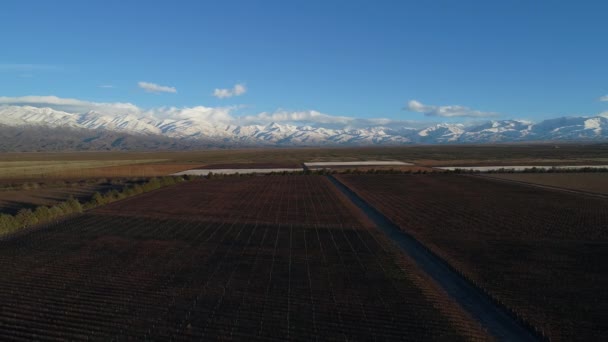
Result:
x=268 y=199
x=538 y=252
x=234 y=258
x=164 y=163
x=277 y=256
x=589 y=182
x=59 y=168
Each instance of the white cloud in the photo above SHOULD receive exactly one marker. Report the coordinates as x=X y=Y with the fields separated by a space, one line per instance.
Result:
x=237 y=90
x=297 y=116
x=155 y=88
x=106 y=86
x=315 y=118
x=447 y=111
x=604 y=114
x=198 y=113
x=205 y=115
x=604 y=98
x=71 y=105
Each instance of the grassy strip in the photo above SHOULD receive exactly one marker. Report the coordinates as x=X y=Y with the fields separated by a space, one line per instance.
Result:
x=43 y=214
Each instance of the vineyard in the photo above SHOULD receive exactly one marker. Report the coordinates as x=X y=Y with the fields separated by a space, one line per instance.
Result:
x=588 y=182
x=538 y=252
x=274 y=258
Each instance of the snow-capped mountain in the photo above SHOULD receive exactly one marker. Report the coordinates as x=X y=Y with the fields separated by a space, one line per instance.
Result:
x=225 y=133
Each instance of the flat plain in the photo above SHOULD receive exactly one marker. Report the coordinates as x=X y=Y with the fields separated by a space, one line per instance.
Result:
x=589 y=181
x=290 y=257
x=272 y=258
x=148 y=164
x=536 y=251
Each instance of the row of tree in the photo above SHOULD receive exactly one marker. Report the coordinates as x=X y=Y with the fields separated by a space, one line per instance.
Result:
x=322 y=172
x=45 y=214
x=536 y=170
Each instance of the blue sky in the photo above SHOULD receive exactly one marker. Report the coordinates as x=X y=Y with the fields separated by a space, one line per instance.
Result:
x=459 y=60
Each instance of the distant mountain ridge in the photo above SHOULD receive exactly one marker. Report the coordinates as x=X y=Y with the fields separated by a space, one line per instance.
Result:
x=193 y=132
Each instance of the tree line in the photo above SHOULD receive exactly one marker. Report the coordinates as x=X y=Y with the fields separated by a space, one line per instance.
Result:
x=47 y=214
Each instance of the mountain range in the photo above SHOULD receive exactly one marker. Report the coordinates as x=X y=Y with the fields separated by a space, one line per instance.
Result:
x=22 y=127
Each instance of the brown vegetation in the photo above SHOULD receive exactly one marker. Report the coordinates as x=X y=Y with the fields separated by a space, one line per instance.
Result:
x=537 y=252
x=589 y=182
x=235 y=258
x=252 y=199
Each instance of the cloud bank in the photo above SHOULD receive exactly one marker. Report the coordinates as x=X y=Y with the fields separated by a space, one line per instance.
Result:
x=237 y=90
x=604 y=98
x=208 y=115
x=448 y=111
x=71 y=105
x=155 y=88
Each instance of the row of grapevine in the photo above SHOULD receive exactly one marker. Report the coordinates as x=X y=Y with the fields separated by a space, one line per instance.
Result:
x=530 y=249
x=270 y=258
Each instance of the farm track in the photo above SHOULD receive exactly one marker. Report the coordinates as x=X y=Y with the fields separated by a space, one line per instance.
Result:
x=220 y=259
x=496 y=320
x=534 y=251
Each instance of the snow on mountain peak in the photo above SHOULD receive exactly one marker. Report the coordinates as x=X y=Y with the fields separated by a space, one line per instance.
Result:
x=216 y=125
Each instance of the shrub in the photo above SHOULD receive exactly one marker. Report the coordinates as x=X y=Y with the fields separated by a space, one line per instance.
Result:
x=26 y=218
x=8 y=223
x=42 y=213
x=56 y=212
x=97 y=199
x=74 y=205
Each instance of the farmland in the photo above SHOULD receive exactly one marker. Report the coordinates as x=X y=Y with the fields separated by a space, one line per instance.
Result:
x=273 y=257
x=290 y=256
x=589 y=182
x=536 y=251
x=45 y=168
x=451 y=155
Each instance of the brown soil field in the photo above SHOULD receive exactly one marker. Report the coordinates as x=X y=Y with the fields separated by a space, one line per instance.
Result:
x=536 y=251
x=588 y=181
x=259 y=273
